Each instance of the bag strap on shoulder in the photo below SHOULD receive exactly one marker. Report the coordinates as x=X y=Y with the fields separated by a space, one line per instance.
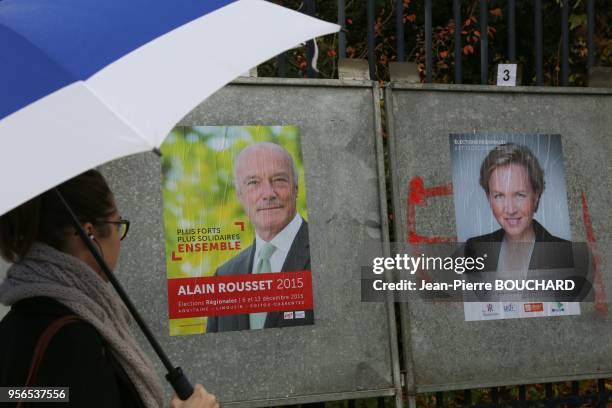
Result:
x=41 y=347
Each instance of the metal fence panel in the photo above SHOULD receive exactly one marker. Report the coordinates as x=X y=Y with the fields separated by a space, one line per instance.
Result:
x=347 y=352
x=443 y=351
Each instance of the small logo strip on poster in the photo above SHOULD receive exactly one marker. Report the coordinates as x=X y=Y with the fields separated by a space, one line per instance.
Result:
x=489 y=309
x=534 y=307
x=510 y=308
x=288 y=315
x=558 y=308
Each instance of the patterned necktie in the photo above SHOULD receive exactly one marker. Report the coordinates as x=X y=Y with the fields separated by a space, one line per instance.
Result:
x=257 y=320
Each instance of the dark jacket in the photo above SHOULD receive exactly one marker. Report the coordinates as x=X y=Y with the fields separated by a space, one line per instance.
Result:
x=549 y=252
x=552 y=258
x=298 y=259
x=77 y=357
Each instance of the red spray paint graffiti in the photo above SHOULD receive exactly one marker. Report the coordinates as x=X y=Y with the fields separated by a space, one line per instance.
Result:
x=601 y=303
x=418 y=195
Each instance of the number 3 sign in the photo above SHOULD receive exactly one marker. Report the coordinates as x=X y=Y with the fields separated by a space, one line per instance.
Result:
x=506 y=75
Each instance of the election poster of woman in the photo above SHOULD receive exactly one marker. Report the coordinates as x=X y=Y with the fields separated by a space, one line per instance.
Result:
x=511 y=209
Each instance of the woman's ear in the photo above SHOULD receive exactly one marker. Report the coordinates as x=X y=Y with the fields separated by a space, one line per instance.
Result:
x=74 y=245
x=88 y=227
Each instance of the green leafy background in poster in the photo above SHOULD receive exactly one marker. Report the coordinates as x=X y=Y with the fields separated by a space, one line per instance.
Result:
x=198 y=192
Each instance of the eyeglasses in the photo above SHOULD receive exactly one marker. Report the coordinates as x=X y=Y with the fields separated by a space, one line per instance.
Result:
x=123 y=226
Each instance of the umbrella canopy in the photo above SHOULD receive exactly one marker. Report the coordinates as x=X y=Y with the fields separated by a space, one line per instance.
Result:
x=83 y=82
x=87 y=81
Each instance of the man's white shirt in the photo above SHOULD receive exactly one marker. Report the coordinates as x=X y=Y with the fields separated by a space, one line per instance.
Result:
x=282 y=241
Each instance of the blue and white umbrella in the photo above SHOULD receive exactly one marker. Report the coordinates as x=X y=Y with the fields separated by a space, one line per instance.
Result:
x=83 y=82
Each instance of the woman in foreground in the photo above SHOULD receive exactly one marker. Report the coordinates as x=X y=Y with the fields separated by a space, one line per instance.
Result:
x=53 y=276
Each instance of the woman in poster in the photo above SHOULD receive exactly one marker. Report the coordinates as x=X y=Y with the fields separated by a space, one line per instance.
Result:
x=513 y=182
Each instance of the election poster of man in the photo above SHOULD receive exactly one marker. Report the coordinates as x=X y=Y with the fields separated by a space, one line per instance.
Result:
x=236 y=228
x=511 y=208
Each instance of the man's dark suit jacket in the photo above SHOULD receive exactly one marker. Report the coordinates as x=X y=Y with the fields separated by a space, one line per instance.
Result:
x=298 y=259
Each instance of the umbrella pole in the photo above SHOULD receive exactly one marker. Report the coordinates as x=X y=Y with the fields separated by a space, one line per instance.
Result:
x=180 y=383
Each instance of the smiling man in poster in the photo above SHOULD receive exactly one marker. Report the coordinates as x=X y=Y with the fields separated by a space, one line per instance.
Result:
x=266 y=182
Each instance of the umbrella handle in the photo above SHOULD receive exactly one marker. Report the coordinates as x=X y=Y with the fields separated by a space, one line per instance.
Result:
x=181 y=384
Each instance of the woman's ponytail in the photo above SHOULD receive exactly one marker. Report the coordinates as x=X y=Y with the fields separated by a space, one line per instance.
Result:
x=45 y=219
x=19 y=228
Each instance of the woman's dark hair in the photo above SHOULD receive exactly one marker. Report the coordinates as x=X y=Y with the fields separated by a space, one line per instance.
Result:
x=45 y=219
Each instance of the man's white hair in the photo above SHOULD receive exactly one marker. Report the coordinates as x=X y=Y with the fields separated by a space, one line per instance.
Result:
x=264 y=145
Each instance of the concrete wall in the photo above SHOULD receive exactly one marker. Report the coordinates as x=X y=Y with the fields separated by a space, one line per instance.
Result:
x=445 y=352
x=347 y=352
